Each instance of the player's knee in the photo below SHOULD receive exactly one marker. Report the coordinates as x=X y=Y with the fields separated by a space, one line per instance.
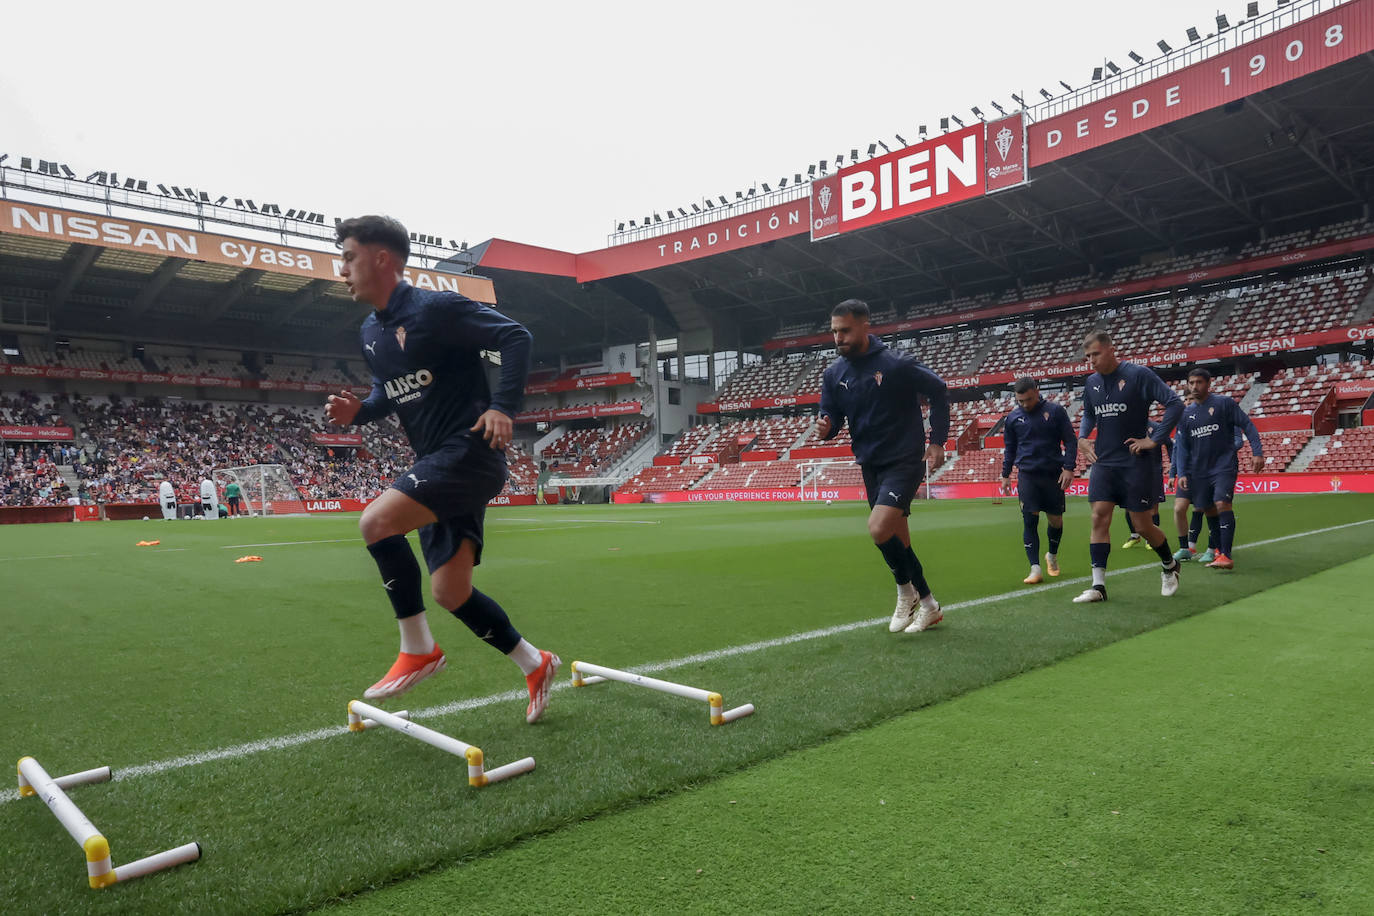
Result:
x=373 y=526
x=879 y=531
x=450 y=595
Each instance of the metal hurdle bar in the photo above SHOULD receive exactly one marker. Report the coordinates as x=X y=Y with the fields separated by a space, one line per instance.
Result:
x=34 y=780
x=599 y=673
x=362 y=716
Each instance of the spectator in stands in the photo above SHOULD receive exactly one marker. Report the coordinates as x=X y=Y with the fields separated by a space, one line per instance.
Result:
x=438 y=387
x=877 y=391
x=1127 y=470
x=1207 y=461
x=1039 y=441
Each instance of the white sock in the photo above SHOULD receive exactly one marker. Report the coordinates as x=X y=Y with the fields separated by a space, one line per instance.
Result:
x=1135 y=537
x=1052 y=557
x=1192 y=545
x=1035 y=569
x=906 y=590
x=929 y=602
x=1099 y=576
x=526 y=656
x=415 y=636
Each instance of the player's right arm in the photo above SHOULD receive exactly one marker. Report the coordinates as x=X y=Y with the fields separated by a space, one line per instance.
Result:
x=1180 y=463
x=831 y=418
x=1008 y=451
x=1086 y=448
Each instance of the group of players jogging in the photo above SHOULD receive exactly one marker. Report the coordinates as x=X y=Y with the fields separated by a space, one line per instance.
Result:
x=424 y=350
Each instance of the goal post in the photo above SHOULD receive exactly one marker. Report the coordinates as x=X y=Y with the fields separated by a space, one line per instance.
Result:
x=266 y=488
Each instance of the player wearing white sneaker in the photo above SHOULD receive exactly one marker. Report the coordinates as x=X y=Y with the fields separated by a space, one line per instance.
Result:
x=928 y=614
x=423 y=349
x=878 y=392
x=1126 y=463
x=1041 y=445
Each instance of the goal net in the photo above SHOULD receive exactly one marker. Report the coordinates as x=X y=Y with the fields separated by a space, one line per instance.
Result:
x=266 y=489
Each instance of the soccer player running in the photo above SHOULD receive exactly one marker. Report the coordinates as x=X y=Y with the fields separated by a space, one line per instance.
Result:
x=1040 y=442
x=424 y=350
x=1127 y=470
x=1205 y=446
x=877 y=391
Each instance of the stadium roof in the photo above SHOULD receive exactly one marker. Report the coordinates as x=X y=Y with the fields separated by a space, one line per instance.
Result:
x=1296 y=154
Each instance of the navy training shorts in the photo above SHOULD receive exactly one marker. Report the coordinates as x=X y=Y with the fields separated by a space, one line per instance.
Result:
x=1138 y=487
x=455 y=484
x=1213 y=488
x=1039 y=493
x=893 y=484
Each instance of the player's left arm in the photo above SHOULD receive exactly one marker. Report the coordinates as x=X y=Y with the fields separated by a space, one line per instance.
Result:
x=462 y=322
x=937 y=393
x=1155 y=390
x=1247 y=425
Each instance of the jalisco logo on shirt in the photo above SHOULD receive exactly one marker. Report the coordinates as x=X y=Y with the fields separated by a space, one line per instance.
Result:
x=408 y=387
x=1205 y=430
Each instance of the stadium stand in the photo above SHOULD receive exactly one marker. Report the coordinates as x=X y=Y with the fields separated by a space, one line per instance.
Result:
x=1346 y=450
x=654 y=479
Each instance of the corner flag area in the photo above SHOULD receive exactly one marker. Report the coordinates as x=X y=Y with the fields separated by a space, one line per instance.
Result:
x=1027 y=754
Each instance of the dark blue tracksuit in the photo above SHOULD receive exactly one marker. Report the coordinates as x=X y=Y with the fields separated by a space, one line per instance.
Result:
x=1118 y=406
x=1206 y=444
x=877 y=393
x=424 y=350
x=1041 y=444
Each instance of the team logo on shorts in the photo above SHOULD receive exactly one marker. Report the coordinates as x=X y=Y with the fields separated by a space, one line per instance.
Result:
x=878 y=377
x=401 y=337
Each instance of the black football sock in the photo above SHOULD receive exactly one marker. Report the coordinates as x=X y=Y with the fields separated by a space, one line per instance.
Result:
x=484 y=617
x=1227 y=523
x=917 y=573
x=1030 y=536
x=400 y=574
x=894 y=554
x=1165 y=555
x=1214 y=532
x=1130 y=524
x=1056 y=534
x=1195 y=527
x=1099 y=554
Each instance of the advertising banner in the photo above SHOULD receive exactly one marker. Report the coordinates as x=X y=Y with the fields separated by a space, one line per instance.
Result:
x=767 y=224
x=1005 y=146
x=39 y=221
x=1329 y=38
x=343 y=439
x=939 y=171
x=37 y=433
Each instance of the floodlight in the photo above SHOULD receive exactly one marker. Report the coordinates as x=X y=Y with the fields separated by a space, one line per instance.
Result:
x=955 y=119
x=1045 y=94
x=620 y=227
x=999 y=108
x=1193 y=35
x=1136 y=57
x=723 y=202
x=944 y=124
x=884 y=146
x=1111 y=65
x=1251 y=10
x=1067 y=87
x=1163 y=46
x=167 y=193
x=1097 y=74
x=872 y=149
x=1222 y=24
x=977 y=112
x=766 y=189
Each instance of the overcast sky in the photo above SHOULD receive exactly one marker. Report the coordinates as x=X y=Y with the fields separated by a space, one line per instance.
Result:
x=543 y=123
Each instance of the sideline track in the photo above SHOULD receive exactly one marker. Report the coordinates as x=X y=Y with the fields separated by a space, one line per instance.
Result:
x=287 y=741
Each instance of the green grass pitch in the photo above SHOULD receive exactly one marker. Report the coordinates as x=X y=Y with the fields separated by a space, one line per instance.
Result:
x=218 y=691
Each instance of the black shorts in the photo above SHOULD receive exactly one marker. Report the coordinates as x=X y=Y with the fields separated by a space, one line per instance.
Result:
x=233 y=502
x=1039 y=493
x=456 y=485
x=1212 y=489
x=893 y=484
x=1138 y=487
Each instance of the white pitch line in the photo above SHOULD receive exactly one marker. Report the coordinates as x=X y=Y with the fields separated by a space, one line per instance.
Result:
x=577 y=521
x=286 y=741
x=51 y=556
x=291 y=543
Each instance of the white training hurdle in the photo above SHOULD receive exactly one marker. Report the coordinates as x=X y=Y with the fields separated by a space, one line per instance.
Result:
x=599 y=673
x=362 y=716
x=34 y=780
